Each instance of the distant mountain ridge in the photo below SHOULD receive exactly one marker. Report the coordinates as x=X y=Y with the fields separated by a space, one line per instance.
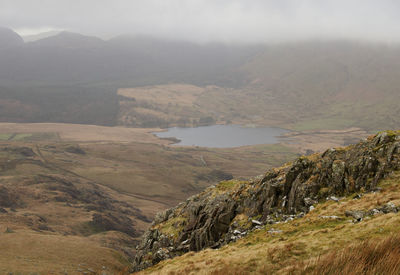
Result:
x=35 y=37
x=70 y=58
x=66 y=39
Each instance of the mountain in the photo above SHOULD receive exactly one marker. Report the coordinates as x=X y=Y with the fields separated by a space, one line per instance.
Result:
x=328 y=84
x=35 y=37
x=301 y=86
x=69 y=58
x=9 y=38
x=66 y=39
x=267 y=223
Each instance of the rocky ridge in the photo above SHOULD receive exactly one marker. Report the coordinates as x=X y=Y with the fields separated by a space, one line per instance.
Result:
x=229 y=210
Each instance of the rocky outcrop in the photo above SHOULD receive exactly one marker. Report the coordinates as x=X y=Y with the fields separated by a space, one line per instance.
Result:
x=227 y=211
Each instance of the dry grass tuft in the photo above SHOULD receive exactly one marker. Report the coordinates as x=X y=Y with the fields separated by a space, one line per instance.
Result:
x=368 y=257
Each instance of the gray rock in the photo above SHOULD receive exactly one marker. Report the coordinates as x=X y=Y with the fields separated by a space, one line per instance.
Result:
x=333 y=198
x=185 y=242
x=274 y=231
x=256 y=222
x=389 y=208
x=374 y=211
x=358 y=215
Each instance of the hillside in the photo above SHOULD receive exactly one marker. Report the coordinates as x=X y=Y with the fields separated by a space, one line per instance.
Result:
x=44 y=205
x=286 y=219
x=343 y=83
x=87 y=193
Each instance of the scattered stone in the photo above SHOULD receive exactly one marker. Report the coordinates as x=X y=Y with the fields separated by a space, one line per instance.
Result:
x=311 y=208
x=256 y=222
x=333 y=198
x=374 y=211
x=330 y=217
x=358 y=215
x=390 y=207
x=274 y=231
x=237 y=232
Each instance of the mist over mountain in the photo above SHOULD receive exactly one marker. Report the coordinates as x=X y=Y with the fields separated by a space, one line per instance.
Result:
x=293 y=81
x=68 y=40
x=69 y=58
x=9 y=38
x=38 y=36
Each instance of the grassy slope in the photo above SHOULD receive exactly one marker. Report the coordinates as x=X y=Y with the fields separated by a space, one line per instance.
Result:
x=26 y=251
x=299 y=244
x=40 y=231
x=134 y=173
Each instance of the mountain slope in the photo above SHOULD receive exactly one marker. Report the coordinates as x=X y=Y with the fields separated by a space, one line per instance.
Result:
x=284 y=202
x=76 y=219
x=342 y=83
x=66 y=39
x=9 y=38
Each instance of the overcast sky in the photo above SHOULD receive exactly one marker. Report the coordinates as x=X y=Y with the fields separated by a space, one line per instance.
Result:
x=210 y=20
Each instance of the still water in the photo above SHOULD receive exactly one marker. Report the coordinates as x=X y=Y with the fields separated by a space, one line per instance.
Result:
x=223 y=136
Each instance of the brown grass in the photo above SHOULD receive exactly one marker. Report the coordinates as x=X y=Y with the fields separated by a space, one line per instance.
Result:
x=27 y=251
x=84 y=133
x=367 y=257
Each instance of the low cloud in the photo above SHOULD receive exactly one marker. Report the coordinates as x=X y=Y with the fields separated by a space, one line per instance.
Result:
x=240 y=21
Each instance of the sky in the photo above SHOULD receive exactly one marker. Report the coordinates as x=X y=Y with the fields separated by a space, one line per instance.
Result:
x=237 y=21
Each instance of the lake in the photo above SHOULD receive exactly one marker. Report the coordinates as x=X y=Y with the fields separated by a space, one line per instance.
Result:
x=223 y=136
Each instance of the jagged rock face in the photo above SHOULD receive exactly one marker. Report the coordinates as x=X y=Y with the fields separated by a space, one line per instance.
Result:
x=227 y=211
